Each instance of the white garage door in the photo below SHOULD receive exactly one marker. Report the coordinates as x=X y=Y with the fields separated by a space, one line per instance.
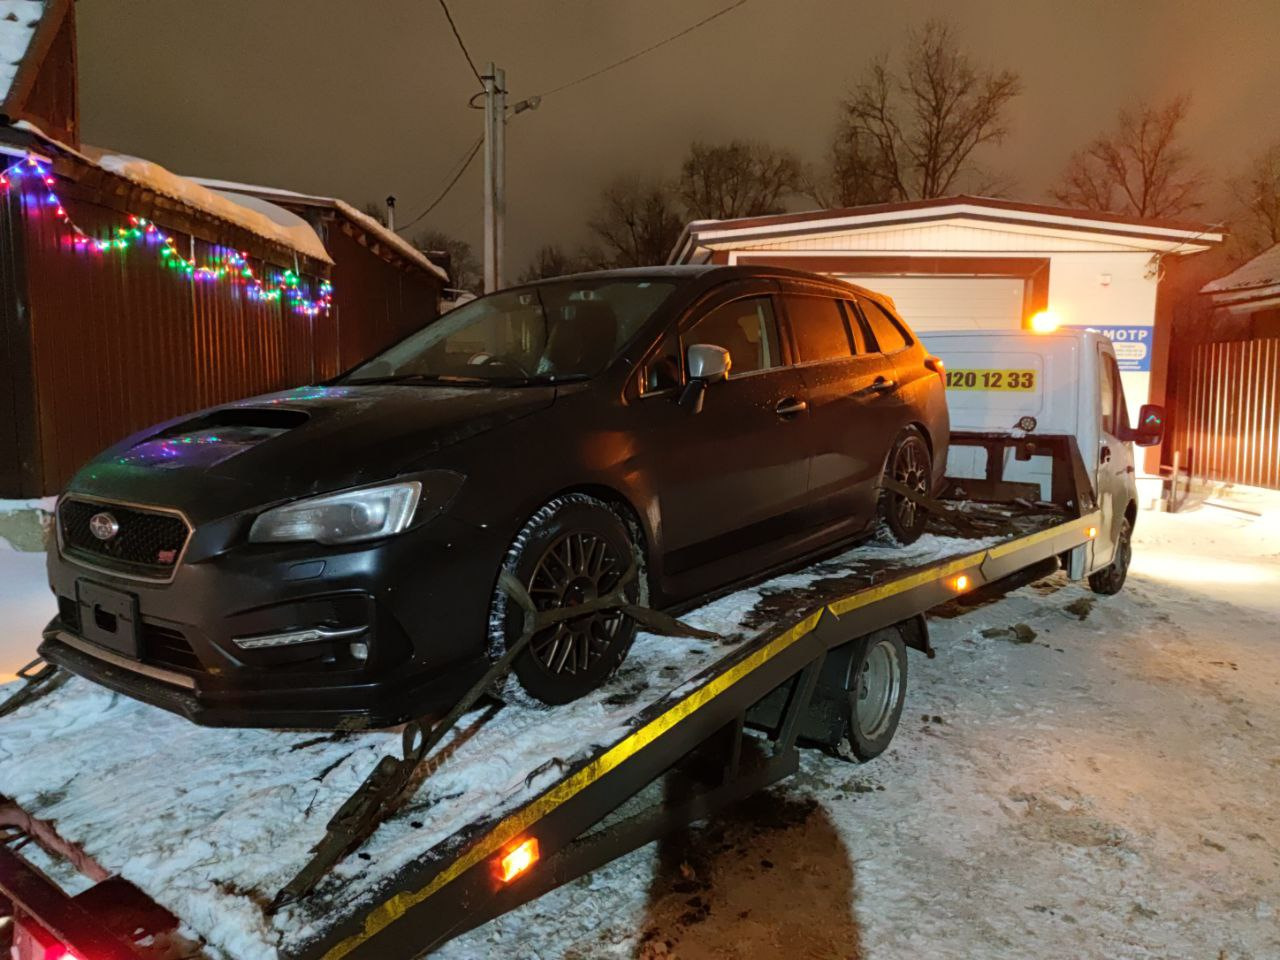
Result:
x=953 y=303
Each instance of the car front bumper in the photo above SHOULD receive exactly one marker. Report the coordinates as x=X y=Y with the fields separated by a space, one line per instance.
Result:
x=405 y=618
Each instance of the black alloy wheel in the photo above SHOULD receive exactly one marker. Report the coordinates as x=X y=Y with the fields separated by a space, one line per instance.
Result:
x=578 y=567
x=901 y=519
x=572 y=551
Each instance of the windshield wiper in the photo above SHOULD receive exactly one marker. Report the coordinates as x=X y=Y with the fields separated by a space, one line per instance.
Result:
x=543 y=379
x=444 y=379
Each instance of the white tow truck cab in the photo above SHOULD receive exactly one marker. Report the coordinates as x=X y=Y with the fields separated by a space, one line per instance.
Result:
x=1064 y=383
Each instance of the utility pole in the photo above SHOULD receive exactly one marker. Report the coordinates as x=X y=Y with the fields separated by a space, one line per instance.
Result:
x=391 y=213
x=499 y=178
x=493 y=127
x=495 y=171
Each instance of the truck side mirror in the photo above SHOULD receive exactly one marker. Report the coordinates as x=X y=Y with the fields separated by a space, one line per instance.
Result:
x=1150 y=428
x=706 y=363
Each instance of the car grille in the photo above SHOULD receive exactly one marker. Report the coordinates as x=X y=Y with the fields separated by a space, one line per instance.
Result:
x=167 y=647
x=147 y=544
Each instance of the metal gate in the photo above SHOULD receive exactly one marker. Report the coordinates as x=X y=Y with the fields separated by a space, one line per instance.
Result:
x=1227 y=427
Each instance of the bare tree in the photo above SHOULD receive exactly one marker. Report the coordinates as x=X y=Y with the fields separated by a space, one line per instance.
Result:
x=464 y=269
x=736 y=179
x=1138 y=168
x=376 y=210
x=913 y=135
x=1256 y=194
x=551 y=261
x=635 y=225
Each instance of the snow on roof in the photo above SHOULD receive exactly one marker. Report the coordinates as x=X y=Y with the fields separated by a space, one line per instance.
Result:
x=362 y=220
x=291 y=232
x=299 y=235
x=1262 y=271
x=18 y=22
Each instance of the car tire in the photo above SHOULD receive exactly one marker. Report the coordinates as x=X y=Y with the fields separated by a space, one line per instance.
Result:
x=1110 y=579
x=899 y=520
x=877 y=690
x=574 y=548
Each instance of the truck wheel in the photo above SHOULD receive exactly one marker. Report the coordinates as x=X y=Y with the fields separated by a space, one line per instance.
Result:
x=877 y=690
x=1110 y=579
x=572 y=550
x=901 y=520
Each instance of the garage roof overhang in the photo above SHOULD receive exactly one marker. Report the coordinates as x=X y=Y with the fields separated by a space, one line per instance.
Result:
x=701 y=238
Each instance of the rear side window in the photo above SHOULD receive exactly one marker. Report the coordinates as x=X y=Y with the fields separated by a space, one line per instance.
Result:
x=890 y=335
x=746 y=328
x=819 y=328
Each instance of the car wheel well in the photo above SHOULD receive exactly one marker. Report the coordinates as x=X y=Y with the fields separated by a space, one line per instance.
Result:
x=624 y=508
x=924 y=432
x=1131 y=514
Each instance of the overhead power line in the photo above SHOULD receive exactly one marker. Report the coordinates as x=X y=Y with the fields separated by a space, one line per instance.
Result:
x=462 y=168
x=649 y=49
x=462 y=46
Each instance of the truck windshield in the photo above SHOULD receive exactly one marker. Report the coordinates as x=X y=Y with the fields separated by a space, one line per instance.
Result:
x=552 y=331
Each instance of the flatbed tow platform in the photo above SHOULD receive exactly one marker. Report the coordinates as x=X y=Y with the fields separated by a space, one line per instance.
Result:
x=127 y=832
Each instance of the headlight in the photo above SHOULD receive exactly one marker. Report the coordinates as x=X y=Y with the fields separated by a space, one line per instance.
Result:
x=341 y=517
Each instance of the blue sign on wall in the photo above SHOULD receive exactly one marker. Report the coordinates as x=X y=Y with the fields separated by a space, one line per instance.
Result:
x=1133 y=346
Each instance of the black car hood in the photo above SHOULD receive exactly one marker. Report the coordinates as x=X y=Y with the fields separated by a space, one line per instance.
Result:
x=297 y=443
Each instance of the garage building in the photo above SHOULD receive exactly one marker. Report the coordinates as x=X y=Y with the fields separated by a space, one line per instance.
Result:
x=977 y=263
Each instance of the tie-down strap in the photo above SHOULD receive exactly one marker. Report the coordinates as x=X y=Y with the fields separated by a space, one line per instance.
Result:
x=387 y=785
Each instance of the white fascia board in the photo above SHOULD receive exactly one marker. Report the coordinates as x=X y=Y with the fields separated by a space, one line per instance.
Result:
x=708 y=234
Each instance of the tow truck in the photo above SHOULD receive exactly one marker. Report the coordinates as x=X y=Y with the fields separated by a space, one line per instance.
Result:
x=127 y=833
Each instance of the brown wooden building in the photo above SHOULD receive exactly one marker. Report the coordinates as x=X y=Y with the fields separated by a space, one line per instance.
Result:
x=129 y=295
x=384 y=287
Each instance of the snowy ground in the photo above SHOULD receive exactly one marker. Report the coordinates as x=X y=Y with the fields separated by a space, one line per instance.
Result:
x=1110 y=789
x=1107 y=788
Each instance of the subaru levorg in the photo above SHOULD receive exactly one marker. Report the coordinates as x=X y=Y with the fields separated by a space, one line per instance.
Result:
x=329 y=556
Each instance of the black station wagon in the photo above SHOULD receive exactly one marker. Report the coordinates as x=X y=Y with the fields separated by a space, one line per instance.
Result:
x=330 y=555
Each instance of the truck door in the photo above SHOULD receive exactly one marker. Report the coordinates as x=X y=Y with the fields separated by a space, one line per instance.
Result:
x=1114 y=480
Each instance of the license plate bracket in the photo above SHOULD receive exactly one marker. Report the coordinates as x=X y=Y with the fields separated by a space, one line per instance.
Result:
x=108 y=617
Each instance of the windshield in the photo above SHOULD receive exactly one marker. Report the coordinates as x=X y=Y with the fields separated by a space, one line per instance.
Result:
x=548 y=332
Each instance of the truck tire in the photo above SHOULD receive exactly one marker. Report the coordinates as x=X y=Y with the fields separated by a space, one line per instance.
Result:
x=575 y=548
x=900 y=520
x=877 y=690
x=1110 y=579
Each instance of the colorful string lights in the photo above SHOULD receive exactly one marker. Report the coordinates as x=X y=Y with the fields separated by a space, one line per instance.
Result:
x=142 y=232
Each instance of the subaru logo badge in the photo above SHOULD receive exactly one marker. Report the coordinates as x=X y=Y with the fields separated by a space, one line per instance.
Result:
x=104 y=526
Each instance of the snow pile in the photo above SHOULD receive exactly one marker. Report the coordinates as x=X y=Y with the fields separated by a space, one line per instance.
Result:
x=220 y=840
x=18 y=22
x=26 y=605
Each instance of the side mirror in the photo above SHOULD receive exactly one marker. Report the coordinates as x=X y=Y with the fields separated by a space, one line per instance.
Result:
x=1150 y=428
x=706 y=363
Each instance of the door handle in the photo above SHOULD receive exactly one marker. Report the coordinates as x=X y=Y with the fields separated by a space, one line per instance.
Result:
x=879 y=385
x=790 y=407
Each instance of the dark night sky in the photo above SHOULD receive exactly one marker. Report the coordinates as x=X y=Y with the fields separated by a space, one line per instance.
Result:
x=361 y=98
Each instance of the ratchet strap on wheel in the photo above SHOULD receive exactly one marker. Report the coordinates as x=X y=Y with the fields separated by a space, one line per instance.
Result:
x=968 y=523
x=388 y=783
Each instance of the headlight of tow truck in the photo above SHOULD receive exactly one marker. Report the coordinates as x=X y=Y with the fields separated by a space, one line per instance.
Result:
x=347 y=517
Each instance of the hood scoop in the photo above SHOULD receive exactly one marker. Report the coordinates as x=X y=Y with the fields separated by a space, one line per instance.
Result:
x=208 y=440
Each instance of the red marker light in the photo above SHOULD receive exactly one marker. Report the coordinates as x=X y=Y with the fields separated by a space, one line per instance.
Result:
x=518 y=860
